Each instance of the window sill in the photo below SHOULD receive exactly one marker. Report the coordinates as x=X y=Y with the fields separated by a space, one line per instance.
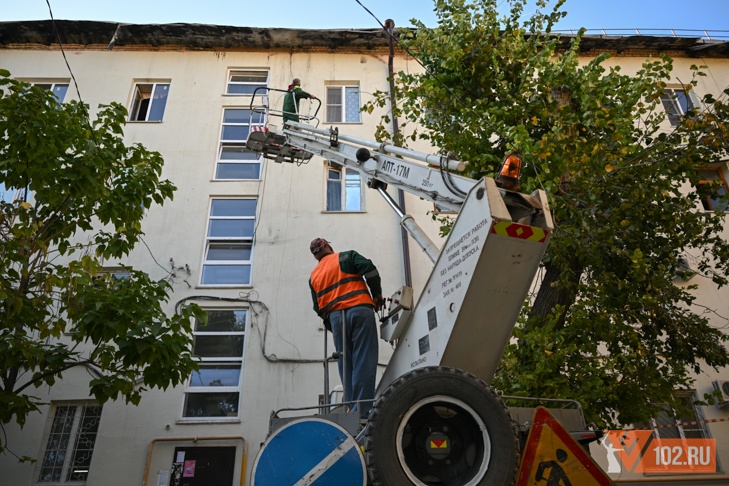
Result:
x=343 y=123
x=222 y=286
x=237 y=180
x=208 y=421
x=344 y=212
x=143 y=122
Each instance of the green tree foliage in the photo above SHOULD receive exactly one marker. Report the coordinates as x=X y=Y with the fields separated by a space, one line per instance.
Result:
x=608 y=326
x=57 y=310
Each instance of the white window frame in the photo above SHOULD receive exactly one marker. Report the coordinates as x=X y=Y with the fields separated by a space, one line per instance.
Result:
x=344 y=194
x=71 y=440
x=667 y=422
x=234 y=361
x=234 y=84
x=337 y=112
x=707 y=203
x=672 y=98
x=243 y=241
x=54 y=87
x=138 y=97
x=248 y=158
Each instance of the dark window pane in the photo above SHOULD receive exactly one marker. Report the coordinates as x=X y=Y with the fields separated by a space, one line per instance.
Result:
x=237 y=152
x=231 y=228
x=236 y=115
x=246 y=89
x=159 y=101
x=334 y=96
x=59 y=91
x=334 y=196
x=235 y=132
x=233 y=207
x=238 y=171
x=211 y=404
x=218 y=346
x=229 y=251
x=226 y=275
x=249 y=77
x=216 y=375
x=224 y=321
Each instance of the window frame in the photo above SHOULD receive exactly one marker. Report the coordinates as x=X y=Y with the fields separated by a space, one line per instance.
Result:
x=233 y=360
x=244 y=241
x=237 y=71
x=72 y=444
x=706 y=201
x=239 y=144
x=135 y=103
x=667 y=420
x=51 y=85
x=330 y=167
x=672 y=104
x=343 y=110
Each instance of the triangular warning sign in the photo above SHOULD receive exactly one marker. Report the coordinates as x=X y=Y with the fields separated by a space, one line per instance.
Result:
x=553 y=456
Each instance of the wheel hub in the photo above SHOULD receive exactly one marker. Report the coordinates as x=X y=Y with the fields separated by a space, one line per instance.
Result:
x=438 y=445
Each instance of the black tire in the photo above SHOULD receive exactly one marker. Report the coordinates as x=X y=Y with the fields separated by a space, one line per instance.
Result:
x=447 y=407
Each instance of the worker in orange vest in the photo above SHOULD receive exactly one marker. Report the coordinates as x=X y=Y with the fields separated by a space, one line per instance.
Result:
x=339 y=289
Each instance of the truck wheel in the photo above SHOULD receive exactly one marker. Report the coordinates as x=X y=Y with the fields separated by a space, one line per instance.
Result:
x=440 y=426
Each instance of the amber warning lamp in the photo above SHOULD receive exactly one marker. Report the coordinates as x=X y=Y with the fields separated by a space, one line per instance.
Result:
x=509 y=176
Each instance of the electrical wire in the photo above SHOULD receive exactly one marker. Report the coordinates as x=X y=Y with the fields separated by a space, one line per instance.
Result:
x=63 y=52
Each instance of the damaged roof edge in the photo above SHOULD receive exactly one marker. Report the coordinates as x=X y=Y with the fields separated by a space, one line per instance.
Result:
x=189 y=36
x=94 y=34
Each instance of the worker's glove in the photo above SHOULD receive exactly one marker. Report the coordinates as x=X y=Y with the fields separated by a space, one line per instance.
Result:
x=379 y=303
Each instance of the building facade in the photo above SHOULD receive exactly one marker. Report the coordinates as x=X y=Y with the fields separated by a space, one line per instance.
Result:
x=235 y=238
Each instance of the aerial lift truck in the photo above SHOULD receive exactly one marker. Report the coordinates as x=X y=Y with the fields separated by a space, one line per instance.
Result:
x=436 y=420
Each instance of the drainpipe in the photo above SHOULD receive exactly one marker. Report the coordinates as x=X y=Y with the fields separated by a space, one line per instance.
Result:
x=390 y=29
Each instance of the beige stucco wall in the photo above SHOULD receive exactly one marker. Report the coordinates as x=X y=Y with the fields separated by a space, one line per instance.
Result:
x=290 y=205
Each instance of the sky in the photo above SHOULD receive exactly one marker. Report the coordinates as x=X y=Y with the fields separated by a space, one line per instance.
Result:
x=712 y=15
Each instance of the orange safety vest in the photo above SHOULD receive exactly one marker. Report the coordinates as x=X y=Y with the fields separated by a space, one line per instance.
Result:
x=337 y=290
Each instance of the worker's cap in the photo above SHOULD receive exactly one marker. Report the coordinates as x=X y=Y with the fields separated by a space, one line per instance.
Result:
x=317 y=245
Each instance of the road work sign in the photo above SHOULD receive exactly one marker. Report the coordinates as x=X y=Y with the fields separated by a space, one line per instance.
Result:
x=552 y=457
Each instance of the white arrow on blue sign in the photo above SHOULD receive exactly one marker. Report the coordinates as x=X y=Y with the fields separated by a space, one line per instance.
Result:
x=310 y=452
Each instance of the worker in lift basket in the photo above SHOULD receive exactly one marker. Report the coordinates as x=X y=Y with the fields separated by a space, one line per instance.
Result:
x=339 y=291
x=291 y=101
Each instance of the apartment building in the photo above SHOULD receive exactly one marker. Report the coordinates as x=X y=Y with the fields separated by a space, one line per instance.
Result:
x=235 y=239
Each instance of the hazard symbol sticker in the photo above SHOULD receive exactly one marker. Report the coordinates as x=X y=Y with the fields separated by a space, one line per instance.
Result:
x=553 y=456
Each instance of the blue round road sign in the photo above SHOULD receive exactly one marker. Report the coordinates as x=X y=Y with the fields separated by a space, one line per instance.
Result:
x=312 y=452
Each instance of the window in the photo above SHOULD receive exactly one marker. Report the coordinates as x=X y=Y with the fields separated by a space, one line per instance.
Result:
x=678 y=102
x=235 y=161
x=229 y=245
x=712 y=188
x=245 y=82
x=58 y=89
x=10 y=194
x=344 y=189
x=676 y=424
x=343 y=104
x=70 y=444
x=148 y=104
x=214 y=390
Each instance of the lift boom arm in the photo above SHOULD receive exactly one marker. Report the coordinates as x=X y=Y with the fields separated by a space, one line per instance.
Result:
x=469 y=305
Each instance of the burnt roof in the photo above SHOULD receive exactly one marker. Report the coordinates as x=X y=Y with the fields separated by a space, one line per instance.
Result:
x=98 y=35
